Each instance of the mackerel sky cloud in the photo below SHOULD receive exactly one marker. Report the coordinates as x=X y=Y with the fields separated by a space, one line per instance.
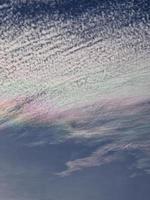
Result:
x=73 y=75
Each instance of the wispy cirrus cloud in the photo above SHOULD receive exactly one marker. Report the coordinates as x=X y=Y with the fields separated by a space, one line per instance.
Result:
x=124 y=125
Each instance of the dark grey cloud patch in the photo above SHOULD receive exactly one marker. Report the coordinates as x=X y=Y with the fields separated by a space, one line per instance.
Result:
x=115 y=13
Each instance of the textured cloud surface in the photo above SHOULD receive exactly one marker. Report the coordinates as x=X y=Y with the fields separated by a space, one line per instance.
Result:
x=59 y=61
x=73 y=71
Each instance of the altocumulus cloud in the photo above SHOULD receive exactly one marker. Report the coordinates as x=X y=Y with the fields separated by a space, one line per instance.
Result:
x=81 y=67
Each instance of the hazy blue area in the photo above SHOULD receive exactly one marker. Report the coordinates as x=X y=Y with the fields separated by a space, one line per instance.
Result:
x=33 y=159
x=29 y=172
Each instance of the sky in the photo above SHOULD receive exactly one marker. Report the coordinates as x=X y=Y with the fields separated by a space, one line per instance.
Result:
x=74 y=99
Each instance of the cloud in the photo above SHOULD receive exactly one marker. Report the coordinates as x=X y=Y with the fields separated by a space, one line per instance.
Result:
x=94 y=54
x=88 y=73
x=125 y=125
x=108 y=154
